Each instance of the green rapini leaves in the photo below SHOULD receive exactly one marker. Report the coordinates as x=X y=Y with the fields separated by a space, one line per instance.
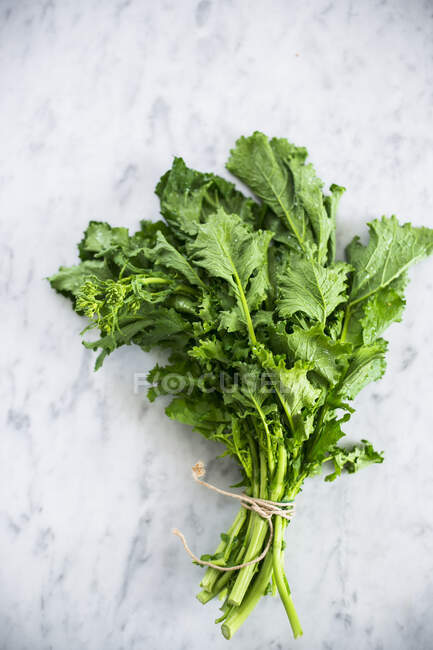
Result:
x=263 y=165
x=314 y=346
x=269 y=337
x=392 y=248
x=228 y=250
x=312 y=289
x=367 y=364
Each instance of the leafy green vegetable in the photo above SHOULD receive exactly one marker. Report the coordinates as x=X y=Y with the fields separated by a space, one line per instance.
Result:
x=353 y=459
x=312 y=289
x=367 y=364
x=269 y=337
x=391 y=249
x=313 y=345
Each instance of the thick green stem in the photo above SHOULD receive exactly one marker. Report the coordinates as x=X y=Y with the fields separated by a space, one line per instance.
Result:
x=239 y=614
x=345 y=324
x=277 y=486
x=205 y=596
x=260 y=529
x=225 y=577
x=277 y=545
x=286 y=409
x=246 y=574
x=255 y=466
x=251 y=582
x=211 y=574
x=145 y=279
x=245 y=309
x=234 y=532
x=280 y=577
x=263 y=475
x=271 y=461
x=272 y=565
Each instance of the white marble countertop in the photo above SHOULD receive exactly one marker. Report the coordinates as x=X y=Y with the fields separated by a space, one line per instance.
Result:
x=96 y=98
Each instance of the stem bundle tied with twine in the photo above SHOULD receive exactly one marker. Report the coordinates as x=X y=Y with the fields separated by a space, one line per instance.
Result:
x=263 y=507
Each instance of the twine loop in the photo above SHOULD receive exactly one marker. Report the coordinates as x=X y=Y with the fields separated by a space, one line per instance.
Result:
x=263 y=507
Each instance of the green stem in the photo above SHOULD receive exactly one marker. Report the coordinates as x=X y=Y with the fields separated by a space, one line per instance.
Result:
x=271 y=461
x=245 y=308
x=258 y=535
x=234 y=532
x=286 y=409
x=255 y=465
x=183 y=288
x=212 y=203
x=263 y=476
x=246 y=574
x=280 y=577
x=273 y=564
x=277 y=486
x=158 y=280
x=146 y=279
x=314 y=439
x=277 y=545
x=285 y=211
x=345 y=324
x=205 y=596
x=239 y=614
x=212 y=574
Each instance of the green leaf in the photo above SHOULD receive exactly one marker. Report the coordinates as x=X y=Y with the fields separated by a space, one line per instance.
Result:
x=99 y=237
x=188 y=197
x=228 y=250
x=68 y=280
x=276 y=172
x=163 y=327
x=232 y=320
x=392 y=248
x=258 y=163
x=384 y=307
x=312 y=289
x=331 y=204
x=260 y=283
x=124 y=335
x=307 y=188
x=181 y=192
x=163 y=254
x=293 y=384
x=367 y=364
x=204 y=415
x=353 y=459
x=181 y=376
x=313 y=345
x=151 y=326
x=326 y=439
x=146 y=236
x=209 y=349
x=297 y=390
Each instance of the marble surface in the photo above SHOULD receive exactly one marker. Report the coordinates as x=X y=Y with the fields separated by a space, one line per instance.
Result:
x=96 y=98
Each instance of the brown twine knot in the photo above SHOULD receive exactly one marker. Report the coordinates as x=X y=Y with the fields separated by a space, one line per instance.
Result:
x=263 y=507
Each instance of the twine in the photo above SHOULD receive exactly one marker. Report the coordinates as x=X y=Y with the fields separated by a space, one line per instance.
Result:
x=264 y=508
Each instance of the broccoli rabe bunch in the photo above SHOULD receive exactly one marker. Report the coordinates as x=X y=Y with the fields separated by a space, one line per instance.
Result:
x=270 y=337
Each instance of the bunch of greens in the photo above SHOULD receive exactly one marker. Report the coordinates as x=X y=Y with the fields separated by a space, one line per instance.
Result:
x=269 y=337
